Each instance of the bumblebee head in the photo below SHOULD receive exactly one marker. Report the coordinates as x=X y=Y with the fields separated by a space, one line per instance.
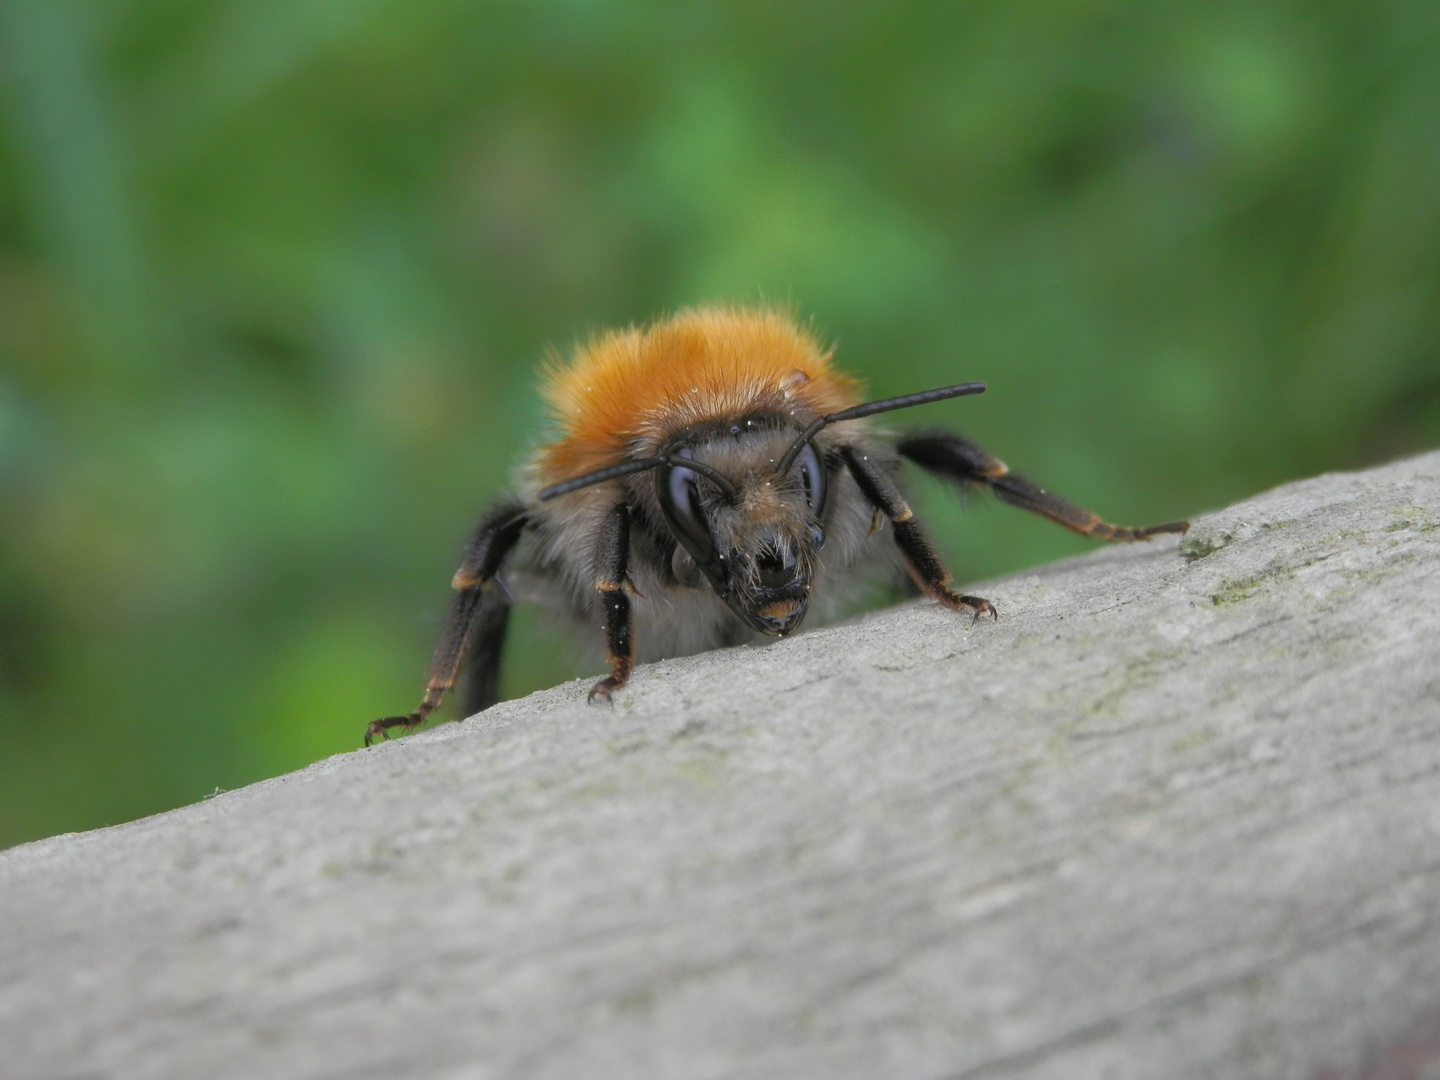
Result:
x=745 y=501
x=747 y=516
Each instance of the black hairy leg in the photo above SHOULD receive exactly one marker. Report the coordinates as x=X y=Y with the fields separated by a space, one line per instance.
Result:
x=957 y=458
x=477 y=601
x=612 y=582
x=480 y=670
x=920 y=557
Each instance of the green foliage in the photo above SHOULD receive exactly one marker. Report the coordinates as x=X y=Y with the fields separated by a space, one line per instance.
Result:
x=275 y=276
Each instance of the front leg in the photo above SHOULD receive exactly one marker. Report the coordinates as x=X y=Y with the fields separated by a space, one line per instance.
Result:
x=612 y=583
x=475 y=600
x=920 y=557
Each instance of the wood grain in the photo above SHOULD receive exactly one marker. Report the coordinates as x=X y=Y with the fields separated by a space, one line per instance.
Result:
x=1177 y=814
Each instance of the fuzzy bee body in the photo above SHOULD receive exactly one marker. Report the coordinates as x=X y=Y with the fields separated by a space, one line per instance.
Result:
x=714 y=480
x=674 y=609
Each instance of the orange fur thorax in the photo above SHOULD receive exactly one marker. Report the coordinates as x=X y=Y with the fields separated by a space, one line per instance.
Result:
x=627 y=391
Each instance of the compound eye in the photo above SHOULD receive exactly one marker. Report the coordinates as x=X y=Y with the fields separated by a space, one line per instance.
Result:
x=812 y=475
x=679 y=493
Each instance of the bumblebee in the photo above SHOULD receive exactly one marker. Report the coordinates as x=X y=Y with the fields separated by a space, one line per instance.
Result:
x=712 y=474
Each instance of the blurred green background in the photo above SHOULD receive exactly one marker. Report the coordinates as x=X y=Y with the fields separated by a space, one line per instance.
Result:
x=275 y=276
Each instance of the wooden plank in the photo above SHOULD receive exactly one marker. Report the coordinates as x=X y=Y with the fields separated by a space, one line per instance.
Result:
x=1177 y=814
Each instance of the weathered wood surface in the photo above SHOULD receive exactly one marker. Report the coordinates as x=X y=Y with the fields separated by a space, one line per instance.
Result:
x=1176 y=815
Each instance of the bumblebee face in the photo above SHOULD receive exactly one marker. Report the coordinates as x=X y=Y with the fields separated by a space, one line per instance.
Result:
x=749 y=530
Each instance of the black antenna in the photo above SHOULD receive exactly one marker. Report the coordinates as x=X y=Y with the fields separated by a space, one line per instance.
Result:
x=870 y=408
x=716 y=478
x=554 y=491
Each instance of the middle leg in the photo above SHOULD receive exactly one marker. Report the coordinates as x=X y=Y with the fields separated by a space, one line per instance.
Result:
x=957 y=458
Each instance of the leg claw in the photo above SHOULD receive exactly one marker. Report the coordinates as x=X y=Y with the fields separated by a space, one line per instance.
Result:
x=979 y=606
x=381 y=727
